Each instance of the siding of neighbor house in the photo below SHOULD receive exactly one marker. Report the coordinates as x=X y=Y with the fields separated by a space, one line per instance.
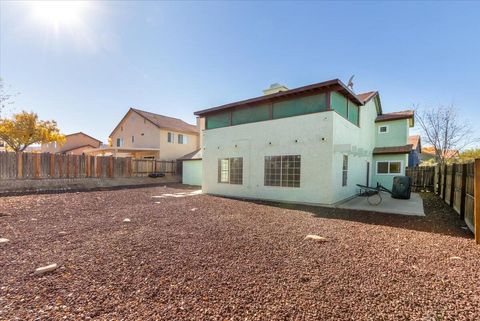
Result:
x=153 y=137
x=135 y=125
x=75 y=144
x=174 y=150
x=192 y=172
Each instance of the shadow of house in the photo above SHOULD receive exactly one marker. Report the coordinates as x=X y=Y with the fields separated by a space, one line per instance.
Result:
x=439 y=218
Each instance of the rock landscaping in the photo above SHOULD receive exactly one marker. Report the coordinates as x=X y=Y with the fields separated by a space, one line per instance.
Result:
x=230 y=260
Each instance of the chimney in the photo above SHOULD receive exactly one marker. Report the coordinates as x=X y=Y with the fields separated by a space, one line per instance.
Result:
x=274 y=88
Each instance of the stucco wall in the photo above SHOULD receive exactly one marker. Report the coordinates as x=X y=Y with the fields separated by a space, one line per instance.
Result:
x=252 y=142
x=135 y=125
x=387 y=179
x=72 y=141
x=192 y=172
x=357 y=143
x=397 y=134
x=174 y=150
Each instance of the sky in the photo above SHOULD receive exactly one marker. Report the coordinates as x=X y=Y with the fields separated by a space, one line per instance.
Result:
x=85 y=64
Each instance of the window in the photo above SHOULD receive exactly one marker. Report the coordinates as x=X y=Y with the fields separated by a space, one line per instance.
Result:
x=282 y=171
x=119 y=142
x=345 y=170
x=133 y=139
x=383 y=129
x=389 y=167
x=182 y=139
x=171 y=137
x=230 y=170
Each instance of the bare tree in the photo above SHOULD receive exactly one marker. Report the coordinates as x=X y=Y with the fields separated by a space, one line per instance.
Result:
x=444 y=130
x=6 y=98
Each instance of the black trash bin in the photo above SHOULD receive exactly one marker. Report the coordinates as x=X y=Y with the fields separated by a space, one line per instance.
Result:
x=402 y=187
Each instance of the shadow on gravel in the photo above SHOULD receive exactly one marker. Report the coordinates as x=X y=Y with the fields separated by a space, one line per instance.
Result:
x=439 y=218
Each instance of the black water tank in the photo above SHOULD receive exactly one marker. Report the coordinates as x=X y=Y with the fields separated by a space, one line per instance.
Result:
x=402 y=187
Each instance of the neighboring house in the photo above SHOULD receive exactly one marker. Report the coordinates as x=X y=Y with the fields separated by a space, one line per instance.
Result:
x=141 y=134
x=428 y=154
x=311 y=144
x=3 y=146
x=75 y=144
x=414 y=156
x=192 y=168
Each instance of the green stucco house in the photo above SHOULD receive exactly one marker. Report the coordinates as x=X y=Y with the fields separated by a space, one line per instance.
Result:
x=311 y=144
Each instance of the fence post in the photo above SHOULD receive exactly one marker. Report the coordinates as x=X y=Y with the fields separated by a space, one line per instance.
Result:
x=110 y=166
x=444 y=179
x=464 y=191
x=19 y=164
x=452 y=184
x=476 y=200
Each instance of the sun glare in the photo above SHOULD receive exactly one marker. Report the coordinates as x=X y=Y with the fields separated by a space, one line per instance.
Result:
x=60 y=13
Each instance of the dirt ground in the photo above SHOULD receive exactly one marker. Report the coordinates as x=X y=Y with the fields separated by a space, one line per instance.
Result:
x=201 y=257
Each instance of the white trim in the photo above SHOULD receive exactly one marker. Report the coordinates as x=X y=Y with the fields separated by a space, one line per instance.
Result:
x=389 y=161
x=385 y=132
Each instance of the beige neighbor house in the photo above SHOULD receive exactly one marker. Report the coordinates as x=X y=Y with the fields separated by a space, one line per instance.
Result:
x=141 y=134
x=75 y=144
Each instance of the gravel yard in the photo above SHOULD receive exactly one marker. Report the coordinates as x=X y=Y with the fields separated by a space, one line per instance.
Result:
x=201 y=257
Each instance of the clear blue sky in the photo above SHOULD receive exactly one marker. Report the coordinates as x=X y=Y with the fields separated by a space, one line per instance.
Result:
x=88 y=66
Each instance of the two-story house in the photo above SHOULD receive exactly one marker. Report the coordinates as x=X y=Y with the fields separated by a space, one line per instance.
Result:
x=311 y=144
x=142 y=134
x=75 y=144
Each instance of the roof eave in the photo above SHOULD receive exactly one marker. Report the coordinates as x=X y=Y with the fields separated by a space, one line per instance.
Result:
x=329 y=83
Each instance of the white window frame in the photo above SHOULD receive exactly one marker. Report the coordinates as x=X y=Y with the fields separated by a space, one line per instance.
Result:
x=172 y=136
x=385 y=132
x=389 y=161
x=119 y=142
x=344 y=170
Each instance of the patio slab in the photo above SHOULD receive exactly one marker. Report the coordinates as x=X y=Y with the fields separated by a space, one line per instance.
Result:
x=412 y=206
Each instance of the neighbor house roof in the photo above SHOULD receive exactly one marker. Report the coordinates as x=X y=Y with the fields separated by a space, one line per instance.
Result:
x=334 y=84
x=430 y=150
x=77 y=147
x=405 y=114
x=415 y=141
x=196 y=155
x=393 y=150
x=82 y=133
x=162 y=121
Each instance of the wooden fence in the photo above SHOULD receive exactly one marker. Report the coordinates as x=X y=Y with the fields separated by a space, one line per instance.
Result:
x=458 y=185
x=46 y=165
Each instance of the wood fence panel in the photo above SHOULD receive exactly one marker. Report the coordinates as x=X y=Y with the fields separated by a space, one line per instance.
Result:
x=458 y=188
x=448 y=184
x=469 y=199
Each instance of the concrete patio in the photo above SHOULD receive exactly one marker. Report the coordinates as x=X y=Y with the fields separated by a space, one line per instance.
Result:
x=412 y=206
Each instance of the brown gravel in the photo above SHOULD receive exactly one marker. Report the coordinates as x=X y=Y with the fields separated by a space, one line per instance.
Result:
x=230 y=260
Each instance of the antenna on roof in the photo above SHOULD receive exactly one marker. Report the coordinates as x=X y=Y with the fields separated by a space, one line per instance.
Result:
x=350 y=82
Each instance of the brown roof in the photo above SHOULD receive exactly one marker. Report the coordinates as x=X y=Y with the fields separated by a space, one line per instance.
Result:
x=393 y=150
x=77 y=147
x=395 y=116
x=367 y=96
x=167 y=122
x=414 y=140
x=161 y=121
x=82 y=133
x=192 y=156
x=334 y=84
